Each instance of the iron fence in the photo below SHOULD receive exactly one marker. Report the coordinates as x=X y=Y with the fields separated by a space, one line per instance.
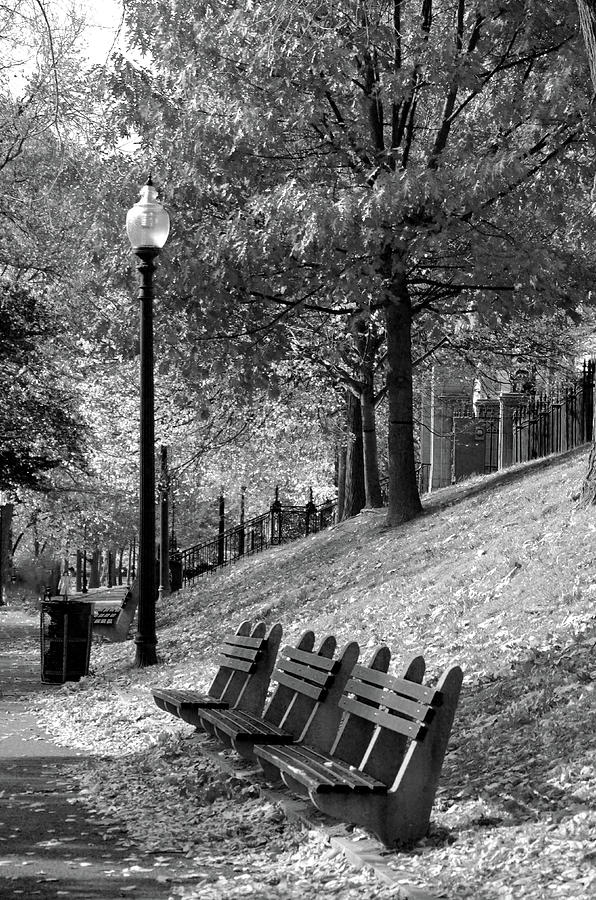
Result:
x=556 y=422
x=278 y=526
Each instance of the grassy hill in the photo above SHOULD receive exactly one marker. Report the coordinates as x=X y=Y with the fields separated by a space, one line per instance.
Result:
x=498 y=575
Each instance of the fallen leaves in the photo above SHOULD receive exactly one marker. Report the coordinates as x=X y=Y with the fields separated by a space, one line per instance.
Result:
x=513 y=817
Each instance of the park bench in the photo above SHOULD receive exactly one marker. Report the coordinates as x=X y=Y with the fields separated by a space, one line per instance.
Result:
x=304 y=679
x=383 y=767
x=305 y=702
x=113 y=610
x=242 y=680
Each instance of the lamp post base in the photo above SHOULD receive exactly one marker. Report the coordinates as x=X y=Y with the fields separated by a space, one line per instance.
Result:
x=146 y=653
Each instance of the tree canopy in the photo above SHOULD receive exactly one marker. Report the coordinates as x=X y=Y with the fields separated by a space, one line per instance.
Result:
x=352 y=185
x=406 y=161
x=40 y=425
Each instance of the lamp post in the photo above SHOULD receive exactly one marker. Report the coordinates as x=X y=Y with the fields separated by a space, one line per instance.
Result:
x=147 y=226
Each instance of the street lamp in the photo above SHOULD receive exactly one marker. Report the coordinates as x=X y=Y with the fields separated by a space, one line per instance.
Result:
x=147 y=226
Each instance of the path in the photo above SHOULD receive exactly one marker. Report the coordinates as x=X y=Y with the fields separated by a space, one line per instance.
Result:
x=50 y=845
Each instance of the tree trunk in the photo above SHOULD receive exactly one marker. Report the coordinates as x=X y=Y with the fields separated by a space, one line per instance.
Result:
x=6 y=511
x=79 y=572
x=341 y=482
x=588 y=492
x=372 y=484
x=17 y=542
x=354 y=494
x=94 y=571
x=404 y=499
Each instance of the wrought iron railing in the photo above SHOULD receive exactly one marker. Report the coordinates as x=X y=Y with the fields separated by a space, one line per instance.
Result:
x=554 y=423
x=278 y=526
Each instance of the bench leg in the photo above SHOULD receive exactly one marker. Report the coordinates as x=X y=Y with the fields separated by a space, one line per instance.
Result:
x=296 y=787
x=271 y=773
x=367 y=811
x=245 y=749
x=393 y=825
x=208 y=728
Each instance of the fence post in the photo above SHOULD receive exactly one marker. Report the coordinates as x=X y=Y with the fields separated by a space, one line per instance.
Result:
x=591 y=398
x=570 y=413
x=84 y=584
x=310 y=511
x=221 y=529
x=507 y=404
x=241 y=529
x=276 y=525
x=164 y=550
x=588 y=400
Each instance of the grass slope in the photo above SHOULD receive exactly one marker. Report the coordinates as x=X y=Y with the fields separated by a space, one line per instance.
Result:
x=497 y=575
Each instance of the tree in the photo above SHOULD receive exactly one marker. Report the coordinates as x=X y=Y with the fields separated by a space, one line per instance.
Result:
x=41 y=431
x=40 y=428
x=383 y=157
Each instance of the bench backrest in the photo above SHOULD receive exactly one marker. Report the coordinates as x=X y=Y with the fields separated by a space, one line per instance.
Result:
x=246 y=661
x=321 y=726
x=303 y=677
x=399 y=710
x=355 y=733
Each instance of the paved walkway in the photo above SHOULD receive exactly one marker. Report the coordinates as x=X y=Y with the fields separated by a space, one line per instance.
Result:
x=50 y=845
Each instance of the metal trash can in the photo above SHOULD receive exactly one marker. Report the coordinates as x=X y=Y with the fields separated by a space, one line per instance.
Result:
x=65 y=627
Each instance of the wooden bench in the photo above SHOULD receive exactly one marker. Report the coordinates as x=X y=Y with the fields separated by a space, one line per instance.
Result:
x=383 y=767
x=245 y=665
x=304 y=679
x=306 y=701
x=113 y=610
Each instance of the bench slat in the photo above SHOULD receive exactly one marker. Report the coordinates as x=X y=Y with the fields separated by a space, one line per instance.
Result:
x=399 y=685
x=243 y=640
x=308 y=673
x=383 y=698
x=324 y=774
x=309 y=775
x=240 y=652
x=413 y=730
x=301 y=687
x=180 y=696
x=240 y=726
x=241 y=665
x=310 y=659
x=176 y=701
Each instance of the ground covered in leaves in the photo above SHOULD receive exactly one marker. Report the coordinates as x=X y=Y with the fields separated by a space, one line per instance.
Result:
x=499 y=576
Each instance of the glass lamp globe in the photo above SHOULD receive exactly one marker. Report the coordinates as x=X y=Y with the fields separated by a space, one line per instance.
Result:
x=147 y=222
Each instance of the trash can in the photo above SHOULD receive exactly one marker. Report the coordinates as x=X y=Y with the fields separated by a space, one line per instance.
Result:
x=65 y=627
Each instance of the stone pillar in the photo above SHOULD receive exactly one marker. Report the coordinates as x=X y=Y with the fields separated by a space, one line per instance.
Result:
x=448 y=392
x=508 y=403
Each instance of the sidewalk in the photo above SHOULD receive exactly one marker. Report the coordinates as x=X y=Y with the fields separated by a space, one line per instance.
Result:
x=50 y=845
